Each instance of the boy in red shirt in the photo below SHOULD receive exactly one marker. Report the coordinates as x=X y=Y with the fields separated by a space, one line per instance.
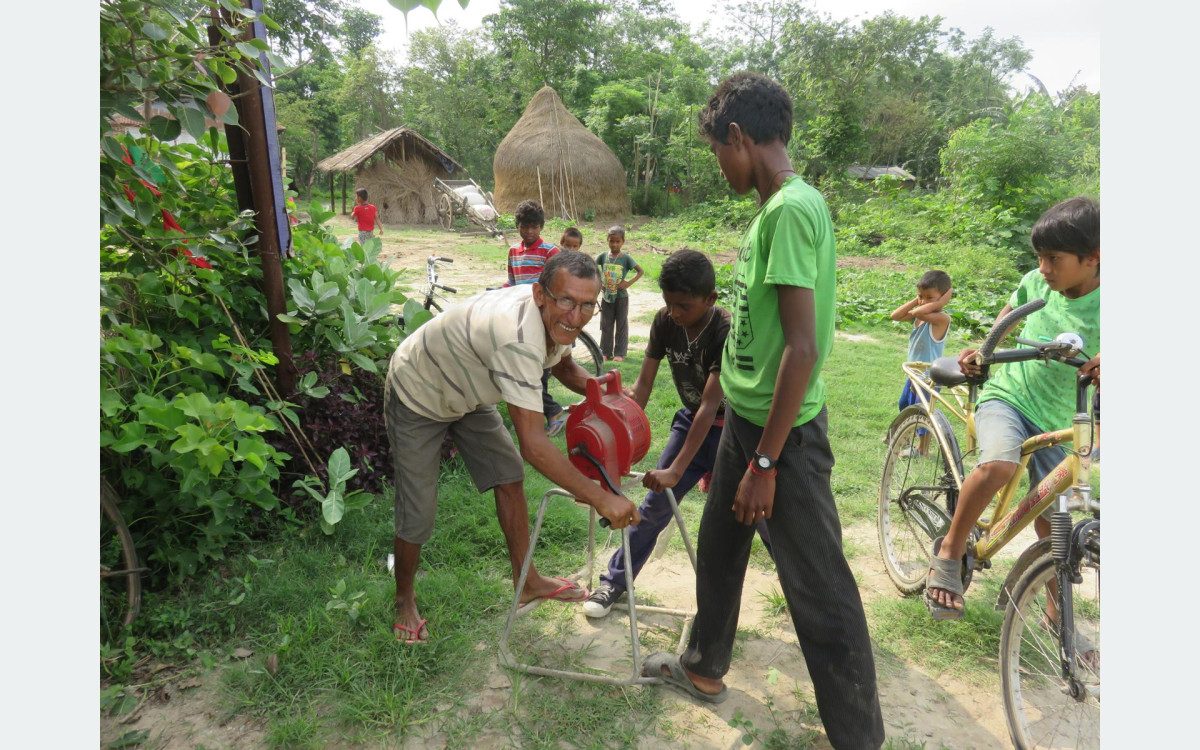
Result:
x=365 y=213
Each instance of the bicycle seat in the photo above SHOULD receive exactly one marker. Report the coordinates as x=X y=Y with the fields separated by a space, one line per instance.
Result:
x=945 y=372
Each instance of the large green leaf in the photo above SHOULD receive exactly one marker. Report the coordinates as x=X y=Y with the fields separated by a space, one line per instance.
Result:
x=192 y=119
x=339 y=464
x=154 y=31
x=333 y=507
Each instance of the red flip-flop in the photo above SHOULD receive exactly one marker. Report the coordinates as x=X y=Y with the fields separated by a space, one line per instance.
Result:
x=556 y=595
x=413 y=635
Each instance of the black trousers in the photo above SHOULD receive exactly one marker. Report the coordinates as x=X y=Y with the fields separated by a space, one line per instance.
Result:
x=821 y=593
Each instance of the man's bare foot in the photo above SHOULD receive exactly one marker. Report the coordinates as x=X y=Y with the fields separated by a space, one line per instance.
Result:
x=409 y=627
x=561 y=589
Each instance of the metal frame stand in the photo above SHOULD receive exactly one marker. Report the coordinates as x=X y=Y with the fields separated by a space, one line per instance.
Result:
x=506 y=657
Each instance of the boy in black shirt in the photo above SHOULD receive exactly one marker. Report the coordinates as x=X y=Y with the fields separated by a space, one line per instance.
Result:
x=690 y=333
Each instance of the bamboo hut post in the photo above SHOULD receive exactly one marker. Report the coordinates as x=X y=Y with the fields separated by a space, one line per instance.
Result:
x=539 y=176
x=343 y=192
x=332 y=196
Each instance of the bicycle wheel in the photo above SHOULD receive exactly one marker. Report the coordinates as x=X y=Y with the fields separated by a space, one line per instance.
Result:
x=1044 y=709
x=120 y=575
x=916 y=494
x=587 y=354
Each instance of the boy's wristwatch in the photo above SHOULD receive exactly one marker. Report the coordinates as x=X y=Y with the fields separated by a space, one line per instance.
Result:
x=763 y=462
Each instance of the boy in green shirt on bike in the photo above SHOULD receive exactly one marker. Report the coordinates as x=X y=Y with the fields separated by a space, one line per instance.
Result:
x=1024 y=399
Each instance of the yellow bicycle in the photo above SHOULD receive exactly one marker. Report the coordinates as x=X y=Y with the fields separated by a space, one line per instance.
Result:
x=1050 y=641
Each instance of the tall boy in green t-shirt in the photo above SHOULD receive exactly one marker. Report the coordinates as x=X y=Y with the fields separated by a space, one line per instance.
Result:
x=775 y=425
x=1023 y=399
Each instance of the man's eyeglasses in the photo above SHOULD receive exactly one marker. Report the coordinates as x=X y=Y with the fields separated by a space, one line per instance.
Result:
x=566 y=304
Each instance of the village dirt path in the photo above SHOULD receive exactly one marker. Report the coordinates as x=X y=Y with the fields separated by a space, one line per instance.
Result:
x=926 y=709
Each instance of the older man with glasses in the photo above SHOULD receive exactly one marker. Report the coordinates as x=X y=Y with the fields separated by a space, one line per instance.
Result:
x=446 y=379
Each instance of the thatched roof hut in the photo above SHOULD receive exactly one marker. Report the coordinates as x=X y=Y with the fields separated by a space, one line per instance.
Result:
x=549 y=155
x=400 y=183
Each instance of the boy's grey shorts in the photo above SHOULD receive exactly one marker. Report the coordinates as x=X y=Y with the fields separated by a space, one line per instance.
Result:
x=416 y=443
x=1001 y=429
x=364 y=236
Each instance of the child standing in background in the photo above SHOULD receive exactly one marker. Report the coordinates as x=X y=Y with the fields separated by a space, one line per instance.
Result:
x=927 y=340
x=614 y=311
x=572 y=239
x=525 y=262
x=366 y=214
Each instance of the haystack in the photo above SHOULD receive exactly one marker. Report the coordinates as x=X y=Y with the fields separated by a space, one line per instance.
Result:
x=550 y=156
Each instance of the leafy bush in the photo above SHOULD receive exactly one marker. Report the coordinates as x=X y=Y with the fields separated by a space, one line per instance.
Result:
x=190 y=436
x=344 y=410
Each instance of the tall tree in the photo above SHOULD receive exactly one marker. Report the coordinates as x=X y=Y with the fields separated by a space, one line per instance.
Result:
x=359 y=29
x=545 y=39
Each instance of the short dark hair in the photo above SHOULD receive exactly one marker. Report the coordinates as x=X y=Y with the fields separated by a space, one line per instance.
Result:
x=759 y=105
x=616 y=229
x=361 y=193
x=573 y=262
x=1072 y=226
x=530 y=212
x=688 y=272
x=572 y=232
x=939 y=280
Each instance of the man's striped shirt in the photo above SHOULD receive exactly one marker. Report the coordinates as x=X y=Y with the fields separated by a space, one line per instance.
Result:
x=525 y=263
x=488 y=349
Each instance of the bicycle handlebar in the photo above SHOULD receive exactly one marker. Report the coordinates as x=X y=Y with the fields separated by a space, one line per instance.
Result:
x=450 y=289
x=441 y=260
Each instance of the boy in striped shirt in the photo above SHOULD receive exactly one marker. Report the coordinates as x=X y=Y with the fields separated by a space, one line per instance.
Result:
x=525 y=262
x=526 y=258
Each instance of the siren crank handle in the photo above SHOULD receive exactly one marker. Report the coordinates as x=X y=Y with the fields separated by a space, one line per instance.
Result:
x=581 y=450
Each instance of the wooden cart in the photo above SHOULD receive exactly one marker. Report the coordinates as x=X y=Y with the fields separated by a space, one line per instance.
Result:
x=466 y=198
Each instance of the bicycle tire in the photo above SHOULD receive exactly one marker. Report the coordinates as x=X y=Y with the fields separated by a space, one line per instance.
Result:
x=1038 y=706
x=912 y=489
x=593 y=358
x=1000 y=327
x=587 y=355
x=116 y=546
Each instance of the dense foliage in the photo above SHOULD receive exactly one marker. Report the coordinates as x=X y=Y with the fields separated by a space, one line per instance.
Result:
x=884 y=90
x=195 y=439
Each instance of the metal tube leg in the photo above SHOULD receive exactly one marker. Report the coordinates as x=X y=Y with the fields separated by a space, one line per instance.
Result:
x=506 y=657
x=683 y=532
x=525 y=564
x=633 y=629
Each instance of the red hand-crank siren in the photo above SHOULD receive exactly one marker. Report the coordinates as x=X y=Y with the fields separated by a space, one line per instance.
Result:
x=608 y=427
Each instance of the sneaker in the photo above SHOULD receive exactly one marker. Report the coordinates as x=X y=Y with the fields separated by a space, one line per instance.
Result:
x=601 y=600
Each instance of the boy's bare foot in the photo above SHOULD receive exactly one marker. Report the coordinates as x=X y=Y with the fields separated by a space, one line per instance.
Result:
x=618 y=359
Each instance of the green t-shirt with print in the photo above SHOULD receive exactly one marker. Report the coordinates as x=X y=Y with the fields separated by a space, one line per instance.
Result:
x=1045 y=394
x=613 y=272
x=789 y=243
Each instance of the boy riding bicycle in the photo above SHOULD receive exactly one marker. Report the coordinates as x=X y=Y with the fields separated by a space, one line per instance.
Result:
x=1024 y=399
